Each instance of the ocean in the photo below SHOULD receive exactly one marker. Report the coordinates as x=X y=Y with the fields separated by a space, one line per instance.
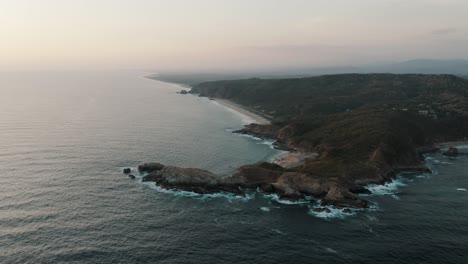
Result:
x=66 y=136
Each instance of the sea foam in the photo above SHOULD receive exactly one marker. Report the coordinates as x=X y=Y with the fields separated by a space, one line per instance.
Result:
x=389 y=188
x=331 y=213
x=274 y=197
x=178 y=193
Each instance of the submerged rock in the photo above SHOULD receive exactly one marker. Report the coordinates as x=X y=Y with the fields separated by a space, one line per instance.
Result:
x=131 y=176
x=321 y=209
x=451 y=152
x=127 y=170
x=347 y=211
x=183 y=92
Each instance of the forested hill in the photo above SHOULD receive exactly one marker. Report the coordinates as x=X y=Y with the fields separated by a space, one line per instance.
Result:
x=364 y=126
x=344 y=92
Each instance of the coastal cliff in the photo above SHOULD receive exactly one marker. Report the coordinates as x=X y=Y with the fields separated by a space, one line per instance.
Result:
x=365 y=130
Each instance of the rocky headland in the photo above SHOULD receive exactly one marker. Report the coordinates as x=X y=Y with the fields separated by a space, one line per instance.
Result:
x=351 y=130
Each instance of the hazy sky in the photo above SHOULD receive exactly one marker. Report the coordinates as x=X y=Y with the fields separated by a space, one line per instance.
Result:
x=227 y=34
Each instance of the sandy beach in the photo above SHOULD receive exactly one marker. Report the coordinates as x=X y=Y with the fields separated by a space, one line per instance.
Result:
x=243 y=110
x=288 y=159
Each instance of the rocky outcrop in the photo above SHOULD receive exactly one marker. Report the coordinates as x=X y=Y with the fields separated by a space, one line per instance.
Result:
x=267 y=177
x=452 y=152
x=260 y=131
x=364 y=129
x=341 y=197
x=255 y=175
x=183 y=92
x=127 y=170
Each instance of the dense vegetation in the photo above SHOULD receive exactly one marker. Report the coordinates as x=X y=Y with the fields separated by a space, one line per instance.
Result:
x=363 y=125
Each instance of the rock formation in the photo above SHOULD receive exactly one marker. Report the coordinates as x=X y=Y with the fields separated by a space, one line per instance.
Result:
x=267 y=177
x=452 y=152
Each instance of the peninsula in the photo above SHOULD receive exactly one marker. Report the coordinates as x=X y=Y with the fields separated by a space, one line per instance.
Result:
x=364 y=128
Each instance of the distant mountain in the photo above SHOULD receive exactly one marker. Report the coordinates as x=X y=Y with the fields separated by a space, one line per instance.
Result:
x=419 y=66
x=424 y=66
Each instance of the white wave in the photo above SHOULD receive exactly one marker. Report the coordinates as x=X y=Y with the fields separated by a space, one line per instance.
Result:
x=433 y=161
x=373 y=206
x=251 y=137
x=269 y=143
x=446 y=163
x=279 y=232
x=330 y=250
x=274 y=197
x=261 y=141
x=389 y=188
x=331 y=213
x=265 y=209
x=229 y=196
x=462 y=190
x=423 y=176
x=153 y=186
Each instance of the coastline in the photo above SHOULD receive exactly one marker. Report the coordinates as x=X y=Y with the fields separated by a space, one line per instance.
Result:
x=243 y=110
x=286 y=159
x=258 y=119
x=282 y=180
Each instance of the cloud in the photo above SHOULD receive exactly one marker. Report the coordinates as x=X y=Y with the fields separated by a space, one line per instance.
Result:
x=444 y=31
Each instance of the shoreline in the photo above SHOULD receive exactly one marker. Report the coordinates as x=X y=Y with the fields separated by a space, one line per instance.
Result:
x=223 y=102
x=293 y=182
x=243 y=110
x=286 y=159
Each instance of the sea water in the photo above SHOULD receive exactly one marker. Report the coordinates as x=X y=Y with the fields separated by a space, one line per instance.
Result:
x=65 y=138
